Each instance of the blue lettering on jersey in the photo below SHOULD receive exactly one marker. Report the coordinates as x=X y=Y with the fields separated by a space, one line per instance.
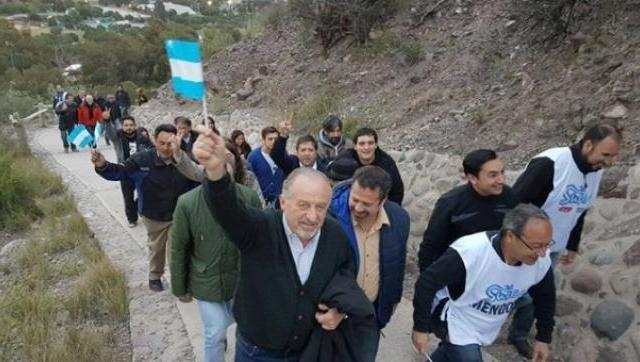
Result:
x=574 y=195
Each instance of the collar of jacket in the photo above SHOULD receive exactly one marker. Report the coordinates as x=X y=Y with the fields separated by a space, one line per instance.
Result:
x=578 y=158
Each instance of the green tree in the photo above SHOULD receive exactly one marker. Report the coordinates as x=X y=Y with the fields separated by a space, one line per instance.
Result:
x=159 y=10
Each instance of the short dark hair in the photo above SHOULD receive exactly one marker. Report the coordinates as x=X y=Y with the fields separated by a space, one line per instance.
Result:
x=331 y=122
x=267 y=131
x=165 y=128
x=128 y=117
x=307 y=139
x=599 y=132
x=69 y=95
x=474 y=160
x=182 y=120
x=365 y=131
x=373 y=178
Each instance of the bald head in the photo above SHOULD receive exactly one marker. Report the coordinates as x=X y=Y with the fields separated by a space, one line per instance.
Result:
x=305 y=177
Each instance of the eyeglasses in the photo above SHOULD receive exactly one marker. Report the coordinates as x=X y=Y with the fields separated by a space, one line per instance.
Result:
x=542 y=248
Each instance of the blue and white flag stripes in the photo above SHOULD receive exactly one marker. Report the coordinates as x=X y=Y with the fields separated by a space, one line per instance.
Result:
x=80 y=137
x=98 y=132
x=186 y=68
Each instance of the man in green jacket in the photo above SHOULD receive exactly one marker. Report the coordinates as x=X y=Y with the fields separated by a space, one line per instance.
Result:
x=205 y=264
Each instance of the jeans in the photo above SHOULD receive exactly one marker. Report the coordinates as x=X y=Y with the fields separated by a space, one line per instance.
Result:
x=249 y=352
x=64 y=134
x=216 y=318
x=371 y=349
x=447 y=352
x=522 y=319
x=130 y=208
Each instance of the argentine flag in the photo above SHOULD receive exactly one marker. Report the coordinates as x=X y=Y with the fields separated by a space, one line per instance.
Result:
x=186 y=68
x=98 y=132
x=80 y=137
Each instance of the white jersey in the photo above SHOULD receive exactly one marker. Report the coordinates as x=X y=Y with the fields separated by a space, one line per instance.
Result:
x=491 y=290
x=573 y=193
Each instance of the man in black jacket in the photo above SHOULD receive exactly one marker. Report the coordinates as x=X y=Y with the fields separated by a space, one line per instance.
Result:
x=287 y=257
x=306 y=151
x=67 y=112
x=126 y=142
x=476 y=206
x=366 y=152
x=158 y=184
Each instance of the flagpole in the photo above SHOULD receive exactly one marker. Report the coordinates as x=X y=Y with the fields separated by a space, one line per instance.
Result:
x=205 y=113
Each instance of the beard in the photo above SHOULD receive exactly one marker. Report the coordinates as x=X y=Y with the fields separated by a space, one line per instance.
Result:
x=335 y=140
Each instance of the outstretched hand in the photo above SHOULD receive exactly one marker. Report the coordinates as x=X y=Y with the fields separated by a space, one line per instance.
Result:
x=97 y=158
x=286 y=126
x=210 y=150
x=176 y=140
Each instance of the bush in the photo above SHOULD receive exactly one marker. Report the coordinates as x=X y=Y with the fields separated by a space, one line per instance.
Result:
x=334 y=20
x=15 y=102
x=310 y=114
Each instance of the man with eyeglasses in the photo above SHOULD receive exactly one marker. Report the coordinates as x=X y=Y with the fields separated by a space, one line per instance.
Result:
x=466 y=296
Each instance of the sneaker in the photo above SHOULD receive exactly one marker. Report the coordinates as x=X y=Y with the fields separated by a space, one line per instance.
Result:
x=133 y=224
x=156 y=285
x=75 y=150
x=523 y=347
x=66 y=150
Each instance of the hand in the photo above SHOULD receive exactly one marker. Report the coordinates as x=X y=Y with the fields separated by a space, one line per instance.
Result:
x=185 y=298
x=540 y=352
x=97 y=158
x=329 y=318
x=420 y=342
x=176 y=140
x=210 y=151
x=568 y=258
x=106 y=114
x=286 y=126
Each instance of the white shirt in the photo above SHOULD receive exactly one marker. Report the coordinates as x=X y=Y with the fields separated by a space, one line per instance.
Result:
x=302 y=255
x=270 y=161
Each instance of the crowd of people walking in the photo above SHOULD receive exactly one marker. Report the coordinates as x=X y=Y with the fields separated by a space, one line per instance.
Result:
x=306 y=252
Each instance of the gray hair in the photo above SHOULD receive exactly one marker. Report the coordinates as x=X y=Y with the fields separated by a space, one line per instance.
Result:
x=302 y=171
x=516 y=219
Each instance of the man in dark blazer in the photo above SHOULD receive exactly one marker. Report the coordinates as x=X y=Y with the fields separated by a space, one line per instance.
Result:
x=288 y=257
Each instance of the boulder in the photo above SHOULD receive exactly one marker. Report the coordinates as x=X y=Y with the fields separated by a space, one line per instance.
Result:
x=632 y=256
x=584 y=351
x=631 y=207
x=587 y=281
x=611 y=319
x=566 y=305
x=621 y=282
x=617 y=111
x=608 y=354
x=602 y=257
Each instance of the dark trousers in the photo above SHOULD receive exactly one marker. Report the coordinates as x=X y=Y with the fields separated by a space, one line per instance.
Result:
x=249 y=352
x=130 y=207
x=447 y=352
x=523 y=319
x=64 y=134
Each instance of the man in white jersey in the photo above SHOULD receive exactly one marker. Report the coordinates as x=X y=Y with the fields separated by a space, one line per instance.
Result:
x=564 y=182
x=466 y=296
